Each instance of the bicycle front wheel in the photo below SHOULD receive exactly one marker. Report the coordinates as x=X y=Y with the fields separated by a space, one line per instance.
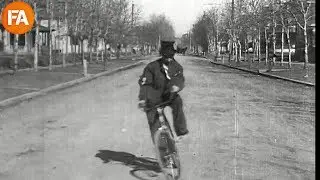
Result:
x=167 y=154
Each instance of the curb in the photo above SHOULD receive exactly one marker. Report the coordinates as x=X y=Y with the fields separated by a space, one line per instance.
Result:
x=3 y=72
x=39 y=67
x=28 y=96
x=265 y=74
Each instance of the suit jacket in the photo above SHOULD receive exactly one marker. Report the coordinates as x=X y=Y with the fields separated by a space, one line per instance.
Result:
x=157 y=79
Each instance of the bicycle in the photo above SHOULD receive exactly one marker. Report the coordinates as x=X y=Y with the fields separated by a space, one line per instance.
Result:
x=166 y=149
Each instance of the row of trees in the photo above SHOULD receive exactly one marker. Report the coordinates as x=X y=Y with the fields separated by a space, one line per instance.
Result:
x=109 y=21
x=255 y=21
x=117 y=23
x=159 y=27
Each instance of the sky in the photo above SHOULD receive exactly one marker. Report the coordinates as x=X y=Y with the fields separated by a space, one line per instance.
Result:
x=182 y=13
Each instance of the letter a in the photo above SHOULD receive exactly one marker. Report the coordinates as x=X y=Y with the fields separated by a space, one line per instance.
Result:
x=22 y=18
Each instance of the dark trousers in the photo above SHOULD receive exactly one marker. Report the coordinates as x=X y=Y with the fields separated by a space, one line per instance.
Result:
x=179 y=121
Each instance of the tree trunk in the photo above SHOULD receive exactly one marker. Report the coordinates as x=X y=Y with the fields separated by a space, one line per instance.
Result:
x=36 y=47
x=249 y=59
x=26 y=43
x=273 y=44
x=90 y=52
x=50 y=53
x=274 y=36
x=217 y=40
x=74 y=54
x=82 y=51
x=50 y=40
x=105 y=48
x=64 y=60
x=57 y=39
x=105 y=59
x=219 y=48
x=16 y=50
x=259 y=44
x=306 y=57
x=245 y=53
x=289 y=44
x=239 y=59
x=254 y=48
x=231 y=49
x=282 y=44
x=84 y=61
x=266 y=38
x=66 y=37
x=36 y=42
x=256 y=57
x=235 y=53
x=97 y=52
x=79 y=52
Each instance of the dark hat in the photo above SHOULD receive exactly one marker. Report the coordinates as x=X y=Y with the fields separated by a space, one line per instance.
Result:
x=167 y=49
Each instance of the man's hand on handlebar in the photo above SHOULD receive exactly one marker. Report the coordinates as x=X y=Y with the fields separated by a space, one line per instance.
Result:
x=174 y=89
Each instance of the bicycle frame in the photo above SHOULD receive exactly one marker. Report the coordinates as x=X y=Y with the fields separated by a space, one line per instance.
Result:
x=165 y=127
x=164 y=123
x=162 y=119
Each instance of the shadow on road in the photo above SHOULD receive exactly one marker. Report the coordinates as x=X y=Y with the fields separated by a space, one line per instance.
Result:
x=143 y=168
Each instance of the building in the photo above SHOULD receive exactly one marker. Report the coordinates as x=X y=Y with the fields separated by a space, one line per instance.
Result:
x=26 y=41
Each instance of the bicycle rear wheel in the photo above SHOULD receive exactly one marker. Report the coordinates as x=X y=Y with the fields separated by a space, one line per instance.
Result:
x=167 y=154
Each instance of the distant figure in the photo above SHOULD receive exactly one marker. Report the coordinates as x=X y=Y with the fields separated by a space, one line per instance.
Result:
x=118 y=51
x=142 y=50
x=108 y=53
x=134 y=51
x=181 y=50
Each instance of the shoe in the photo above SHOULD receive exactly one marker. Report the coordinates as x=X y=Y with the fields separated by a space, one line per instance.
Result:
x=182 y=137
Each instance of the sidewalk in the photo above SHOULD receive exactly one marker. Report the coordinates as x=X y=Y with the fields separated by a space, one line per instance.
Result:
x=295 y=74
x=28 y=81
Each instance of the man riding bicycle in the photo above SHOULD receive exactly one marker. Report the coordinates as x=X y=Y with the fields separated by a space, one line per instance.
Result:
x=161 y=81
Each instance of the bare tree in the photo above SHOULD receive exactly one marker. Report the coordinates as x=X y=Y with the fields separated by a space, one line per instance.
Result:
x=255 y=8
x=286 y=23
x=150 y=31
x=302 y=11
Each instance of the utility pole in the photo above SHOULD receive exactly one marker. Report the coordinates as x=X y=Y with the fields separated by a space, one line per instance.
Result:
x=66 y=37
x=232 y=22
x=190 y=41
x=76 y=38
x=273 y=31
x=36 y=43
x=132 y=32
x=50 y=11
x=132 y=15
x=16 y=50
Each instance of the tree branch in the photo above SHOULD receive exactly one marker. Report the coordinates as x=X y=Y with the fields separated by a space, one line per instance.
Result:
x=311 y=16
x=296 y=19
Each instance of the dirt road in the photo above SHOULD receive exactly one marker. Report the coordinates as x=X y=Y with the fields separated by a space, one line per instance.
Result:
x=242 y=126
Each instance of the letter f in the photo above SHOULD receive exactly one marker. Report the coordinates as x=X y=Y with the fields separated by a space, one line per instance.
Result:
x=10 y=16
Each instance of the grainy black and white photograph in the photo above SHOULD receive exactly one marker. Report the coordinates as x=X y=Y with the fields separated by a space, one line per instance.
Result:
x=157 y=89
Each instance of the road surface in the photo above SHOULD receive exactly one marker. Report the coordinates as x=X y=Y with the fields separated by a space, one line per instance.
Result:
x=242 y=126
